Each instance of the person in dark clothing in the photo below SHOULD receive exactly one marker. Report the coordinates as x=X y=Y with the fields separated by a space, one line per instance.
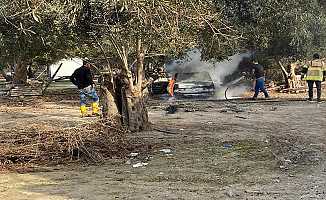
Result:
x=83 y=79
x=260 y=80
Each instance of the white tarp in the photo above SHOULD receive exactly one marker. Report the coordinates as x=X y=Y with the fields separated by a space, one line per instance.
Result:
x=68 y=67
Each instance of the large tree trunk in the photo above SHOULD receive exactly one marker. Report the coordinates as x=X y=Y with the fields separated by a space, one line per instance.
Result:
x=122 y=99
x=134 y=109
x=125 y=105
x=20 y=76
x=136 y=112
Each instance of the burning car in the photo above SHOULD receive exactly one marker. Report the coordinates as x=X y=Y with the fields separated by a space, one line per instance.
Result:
x=194 y=84
x=159 y=86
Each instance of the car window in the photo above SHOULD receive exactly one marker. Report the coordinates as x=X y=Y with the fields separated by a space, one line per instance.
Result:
x=190 y=77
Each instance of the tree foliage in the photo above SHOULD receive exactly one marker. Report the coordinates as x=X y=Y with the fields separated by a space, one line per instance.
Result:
x=40 y=30
x=36 y=30
x=279 y=28
x=165 y=27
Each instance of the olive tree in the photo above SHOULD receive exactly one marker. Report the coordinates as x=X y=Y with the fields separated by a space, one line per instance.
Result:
x=124 y=32
x=293 y=28
x=133 y=29
x=35 y=31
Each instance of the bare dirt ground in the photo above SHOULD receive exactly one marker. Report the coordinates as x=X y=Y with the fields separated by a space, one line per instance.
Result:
x=218 y=150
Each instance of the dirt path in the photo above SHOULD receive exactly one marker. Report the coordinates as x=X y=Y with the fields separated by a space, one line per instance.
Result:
x=48 y=113
x=219 y=150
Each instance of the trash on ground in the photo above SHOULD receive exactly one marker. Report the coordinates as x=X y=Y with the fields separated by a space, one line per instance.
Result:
x=134 y=154
x=273 y=108
x=241 y=117
x=227 y=146
x=171 y=109
x=191 y=110
x=167 y=151
x=141 y=164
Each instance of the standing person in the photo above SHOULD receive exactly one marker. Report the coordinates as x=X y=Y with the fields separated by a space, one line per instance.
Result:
x=260 y=80
x=83 y=79
x=314 y=72
x=171 y=85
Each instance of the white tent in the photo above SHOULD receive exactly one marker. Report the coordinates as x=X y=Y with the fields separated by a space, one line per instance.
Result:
x=68 y=67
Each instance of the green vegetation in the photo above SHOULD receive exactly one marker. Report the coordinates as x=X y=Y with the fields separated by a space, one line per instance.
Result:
x=293 y=28
x=45 y=31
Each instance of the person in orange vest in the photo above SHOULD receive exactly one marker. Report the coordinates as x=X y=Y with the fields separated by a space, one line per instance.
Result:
x=170 y=88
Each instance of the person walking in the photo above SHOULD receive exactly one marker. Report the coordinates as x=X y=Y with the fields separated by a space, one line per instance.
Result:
x=259 y=73
x=314 y=72
x=83 y=79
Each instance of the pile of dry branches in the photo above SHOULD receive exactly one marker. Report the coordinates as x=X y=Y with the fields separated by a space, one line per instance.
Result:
x=39 y=145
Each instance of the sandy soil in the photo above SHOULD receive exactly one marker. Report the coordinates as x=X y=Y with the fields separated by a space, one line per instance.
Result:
x=219 y=150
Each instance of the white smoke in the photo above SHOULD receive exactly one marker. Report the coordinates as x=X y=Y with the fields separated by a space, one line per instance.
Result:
x=231 y=92
x=221 y=70
x=236 y=91
x=217 y=70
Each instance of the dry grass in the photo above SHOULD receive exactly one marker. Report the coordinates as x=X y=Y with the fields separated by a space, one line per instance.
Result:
x=41 y=145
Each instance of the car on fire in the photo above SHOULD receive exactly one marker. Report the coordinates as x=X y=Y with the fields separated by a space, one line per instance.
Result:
x=159 y=86
x=194 y=84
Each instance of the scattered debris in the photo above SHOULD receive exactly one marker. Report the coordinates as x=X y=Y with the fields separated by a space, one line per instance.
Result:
x=140 y=164
x=191 y=110
x=257 y=192
x=283 y=167
x=171 y=109
x=288 y=161
x=138 y=160
x=293 y=90
x=240 y=117
x=166 y=151
x=134 y=154
x=227 y=146
x=273 y=108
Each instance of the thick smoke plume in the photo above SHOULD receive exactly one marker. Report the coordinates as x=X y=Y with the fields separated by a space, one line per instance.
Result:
x=217 y=70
